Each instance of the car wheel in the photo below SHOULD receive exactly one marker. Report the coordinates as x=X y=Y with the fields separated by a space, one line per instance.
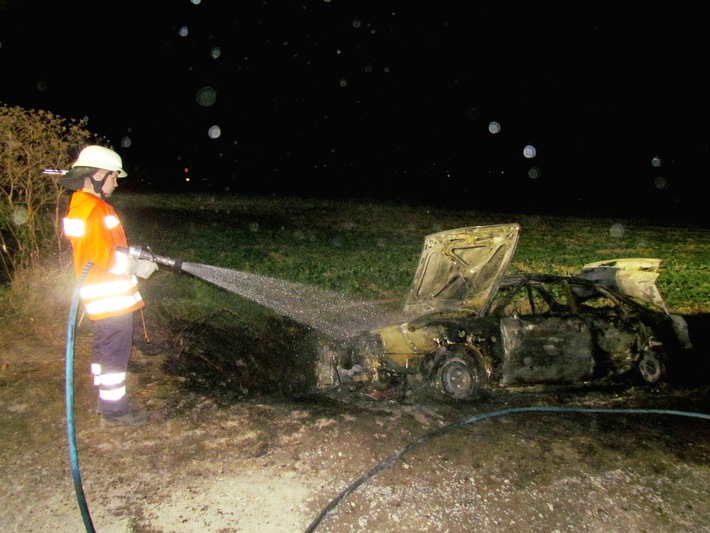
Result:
x=458 y=376
x=651 y=367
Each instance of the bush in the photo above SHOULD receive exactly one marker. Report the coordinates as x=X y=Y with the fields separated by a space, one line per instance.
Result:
x=32 y=202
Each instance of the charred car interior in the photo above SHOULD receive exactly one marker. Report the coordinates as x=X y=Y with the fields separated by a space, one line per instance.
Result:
x=471 y=326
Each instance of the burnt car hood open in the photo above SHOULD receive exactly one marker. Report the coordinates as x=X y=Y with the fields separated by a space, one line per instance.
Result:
x=461 y=269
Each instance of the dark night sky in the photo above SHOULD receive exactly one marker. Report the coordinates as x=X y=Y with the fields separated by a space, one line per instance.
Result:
x=378 y=96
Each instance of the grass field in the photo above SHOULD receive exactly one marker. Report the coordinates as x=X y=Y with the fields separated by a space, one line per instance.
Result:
x=371 y=249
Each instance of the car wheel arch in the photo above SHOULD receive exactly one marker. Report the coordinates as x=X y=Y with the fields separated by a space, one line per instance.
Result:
x=458 y=372
x=652 y=362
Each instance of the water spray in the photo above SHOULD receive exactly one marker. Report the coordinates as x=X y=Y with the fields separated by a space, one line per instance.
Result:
x=327 y=311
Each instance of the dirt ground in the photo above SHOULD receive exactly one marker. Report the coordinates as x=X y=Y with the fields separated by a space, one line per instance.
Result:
x=533 y=460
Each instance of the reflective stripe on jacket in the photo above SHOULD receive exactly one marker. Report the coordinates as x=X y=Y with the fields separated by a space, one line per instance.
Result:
x=94 y=230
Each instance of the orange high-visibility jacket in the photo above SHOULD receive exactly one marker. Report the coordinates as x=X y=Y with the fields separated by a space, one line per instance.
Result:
x=94 y=230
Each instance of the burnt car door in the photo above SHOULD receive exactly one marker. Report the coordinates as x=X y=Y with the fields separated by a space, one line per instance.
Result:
x=543 y=340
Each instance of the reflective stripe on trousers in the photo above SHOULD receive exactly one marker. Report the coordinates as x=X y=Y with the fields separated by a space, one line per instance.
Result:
x=112 y=387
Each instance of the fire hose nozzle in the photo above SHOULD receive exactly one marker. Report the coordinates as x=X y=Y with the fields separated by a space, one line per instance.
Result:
x=138 y=253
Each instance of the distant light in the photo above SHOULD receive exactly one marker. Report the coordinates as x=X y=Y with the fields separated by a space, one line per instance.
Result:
x=214 y=132
x=494 y=127
x=20 y=216
x=617 y=230
x=206 y=96
x=529 y=151
x=656 y=161
x=472 y=113
x=534 y=173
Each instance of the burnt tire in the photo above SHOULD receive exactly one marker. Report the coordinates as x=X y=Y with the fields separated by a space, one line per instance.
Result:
x=651 y=366
x=458 y=376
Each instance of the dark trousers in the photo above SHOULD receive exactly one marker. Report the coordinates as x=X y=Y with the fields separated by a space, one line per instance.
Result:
x=112 y=345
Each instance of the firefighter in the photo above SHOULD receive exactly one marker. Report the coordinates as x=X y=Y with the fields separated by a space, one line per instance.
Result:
x=109 y=292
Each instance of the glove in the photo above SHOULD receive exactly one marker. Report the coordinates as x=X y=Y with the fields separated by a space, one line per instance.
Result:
x=144 y=268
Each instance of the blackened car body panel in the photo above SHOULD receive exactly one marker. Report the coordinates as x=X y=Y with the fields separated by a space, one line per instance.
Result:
x=472 y=327
x=541 y=349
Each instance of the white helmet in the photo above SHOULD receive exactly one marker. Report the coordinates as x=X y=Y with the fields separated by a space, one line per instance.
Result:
x=100 y=157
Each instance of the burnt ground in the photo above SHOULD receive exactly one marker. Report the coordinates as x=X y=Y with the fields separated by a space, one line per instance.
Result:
x=237 y=440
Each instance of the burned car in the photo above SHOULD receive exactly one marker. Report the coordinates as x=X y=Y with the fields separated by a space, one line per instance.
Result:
x=472 y=326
